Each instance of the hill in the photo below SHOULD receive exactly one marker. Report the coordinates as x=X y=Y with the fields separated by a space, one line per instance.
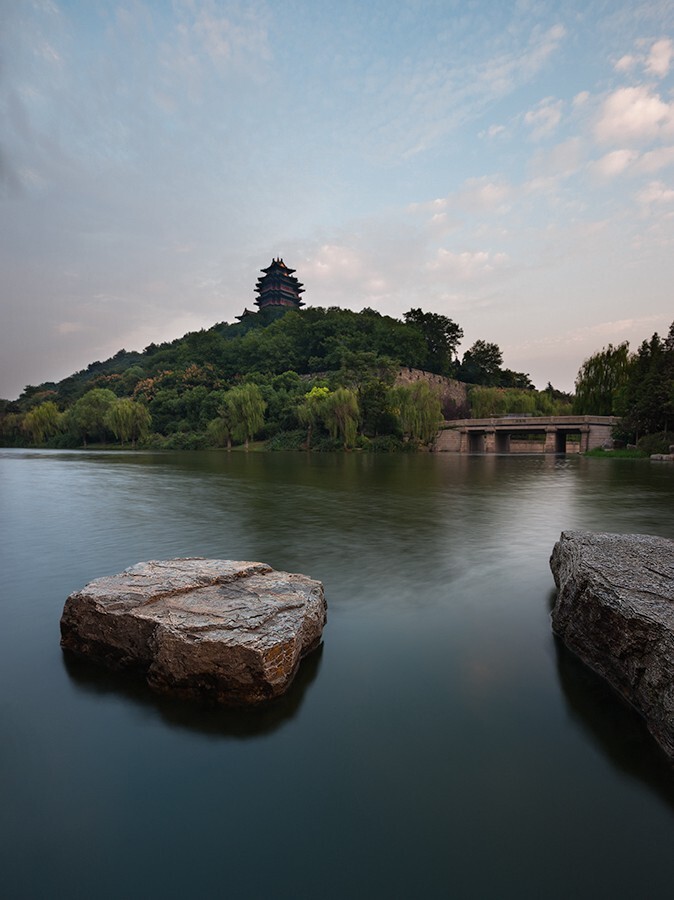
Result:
x=179 y=393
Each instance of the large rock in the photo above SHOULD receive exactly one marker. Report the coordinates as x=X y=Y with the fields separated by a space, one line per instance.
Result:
x=615 y=610
x=218 y=630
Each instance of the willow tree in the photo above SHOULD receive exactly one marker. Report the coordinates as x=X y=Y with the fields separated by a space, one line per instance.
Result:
x=419 y=409
x=43 y=421
x=87 y=415
x=600 y=380
x=311 y=411
x=245 y=407
x=128 y=420
x=340 y=413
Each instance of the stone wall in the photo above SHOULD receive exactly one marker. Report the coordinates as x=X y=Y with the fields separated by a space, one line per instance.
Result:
x=453 y=394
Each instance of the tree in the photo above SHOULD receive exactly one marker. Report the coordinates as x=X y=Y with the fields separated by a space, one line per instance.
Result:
x=340 y=414
x=600 y=380
x=482 y=364
x=128 y=420
x=442 y=337
x=87 y=416
x=420 y=411
x=646 y=400
x=246 y=406
x=311 y=411
x=43 y=421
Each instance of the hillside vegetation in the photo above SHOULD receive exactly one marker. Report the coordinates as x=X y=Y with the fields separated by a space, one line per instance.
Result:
x=320 y=378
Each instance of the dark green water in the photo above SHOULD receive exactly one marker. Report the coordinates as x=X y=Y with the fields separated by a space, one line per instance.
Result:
x=440 y=745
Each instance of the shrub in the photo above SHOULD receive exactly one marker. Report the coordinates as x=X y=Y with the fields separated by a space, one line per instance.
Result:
x=659 y=442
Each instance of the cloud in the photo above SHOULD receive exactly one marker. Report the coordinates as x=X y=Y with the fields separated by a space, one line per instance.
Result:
x=544 y=118
x=660 y=58
x=485 y=194
x=559 y=161
x=626 y=63
x=504 y=71
x=634 y=114
x=613 y=163
x=657 y=159
x=468 y=265
x=655 y=192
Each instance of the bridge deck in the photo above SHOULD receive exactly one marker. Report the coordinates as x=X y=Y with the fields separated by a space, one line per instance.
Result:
x=500 y=434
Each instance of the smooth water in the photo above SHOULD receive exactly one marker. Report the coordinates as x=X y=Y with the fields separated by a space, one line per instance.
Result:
x=441 y=744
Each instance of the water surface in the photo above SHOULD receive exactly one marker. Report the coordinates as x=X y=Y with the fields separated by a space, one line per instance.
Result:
x=440 y=745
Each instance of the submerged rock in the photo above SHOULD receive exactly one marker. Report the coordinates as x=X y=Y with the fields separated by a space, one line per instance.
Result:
x=218 y=630
x=615 y=610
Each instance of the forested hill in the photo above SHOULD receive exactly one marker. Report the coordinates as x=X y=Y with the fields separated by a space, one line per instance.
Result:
x=311 y=340
x=182 y=385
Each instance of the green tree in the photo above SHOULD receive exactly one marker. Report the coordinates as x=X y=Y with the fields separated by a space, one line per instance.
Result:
x=128 y=420
x=43 y=421
x=311 y=411
x=420 y=411
x=88 y=415
x=442 y=337
x=601 y=379
x=341 y=414
x=481 y=364
x=246 y=406
x=646 y=400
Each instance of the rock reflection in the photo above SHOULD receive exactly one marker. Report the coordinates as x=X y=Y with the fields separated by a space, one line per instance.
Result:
x=241 y=723
x=616 y=728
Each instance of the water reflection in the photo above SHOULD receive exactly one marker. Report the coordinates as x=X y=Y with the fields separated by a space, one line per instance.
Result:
x=614 y=727
x=209 y=720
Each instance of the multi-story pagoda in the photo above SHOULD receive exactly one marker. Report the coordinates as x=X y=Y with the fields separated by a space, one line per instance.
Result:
x=278 y=287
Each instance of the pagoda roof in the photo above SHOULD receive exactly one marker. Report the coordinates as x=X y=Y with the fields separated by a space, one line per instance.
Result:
x=278 y=263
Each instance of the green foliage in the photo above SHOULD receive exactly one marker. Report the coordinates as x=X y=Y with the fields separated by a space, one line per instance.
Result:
x=387 y=443
x=43 y=421
x=600 y=453
x=128 y=420
x=243 y=408
x=481 y=364
x=659 y=442
x=441 y=336
x=287 y=440
x=646 y=400
x=87 y=418
x=600 y=380
x=311 y=411
x=419 y=410
x=340 y=414
x=487 y=402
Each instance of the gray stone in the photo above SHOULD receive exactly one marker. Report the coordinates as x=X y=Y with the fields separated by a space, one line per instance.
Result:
x=217 y=630
x=615 y=610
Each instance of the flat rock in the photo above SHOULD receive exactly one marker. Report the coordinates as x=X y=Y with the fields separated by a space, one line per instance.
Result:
x=615 y=610
x=218 y=630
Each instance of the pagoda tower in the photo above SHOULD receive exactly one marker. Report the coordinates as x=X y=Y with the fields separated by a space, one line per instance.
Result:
x=278 y=288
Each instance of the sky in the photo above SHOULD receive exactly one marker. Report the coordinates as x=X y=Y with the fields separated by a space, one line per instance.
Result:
x=507 y=164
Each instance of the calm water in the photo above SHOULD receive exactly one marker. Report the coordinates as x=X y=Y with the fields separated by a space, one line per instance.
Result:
x=440 y=745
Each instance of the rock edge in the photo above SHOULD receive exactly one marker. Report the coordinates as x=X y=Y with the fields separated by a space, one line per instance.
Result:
x=615 y=610
x=222 y=631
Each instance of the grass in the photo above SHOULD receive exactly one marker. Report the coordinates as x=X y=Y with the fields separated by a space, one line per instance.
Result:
x=599 y=453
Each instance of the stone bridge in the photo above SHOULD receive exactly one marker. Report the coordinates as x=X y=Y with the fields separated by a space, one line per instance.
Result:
x=525 y=434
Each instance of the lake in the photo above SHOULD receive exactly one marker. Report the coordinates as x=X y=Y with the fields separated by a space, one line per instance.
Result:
x=439 y=744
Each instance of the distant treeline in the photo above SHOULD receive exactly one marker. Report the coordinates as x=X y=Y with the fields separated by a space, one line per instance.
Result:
x=320 y=378
x=638 y=387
